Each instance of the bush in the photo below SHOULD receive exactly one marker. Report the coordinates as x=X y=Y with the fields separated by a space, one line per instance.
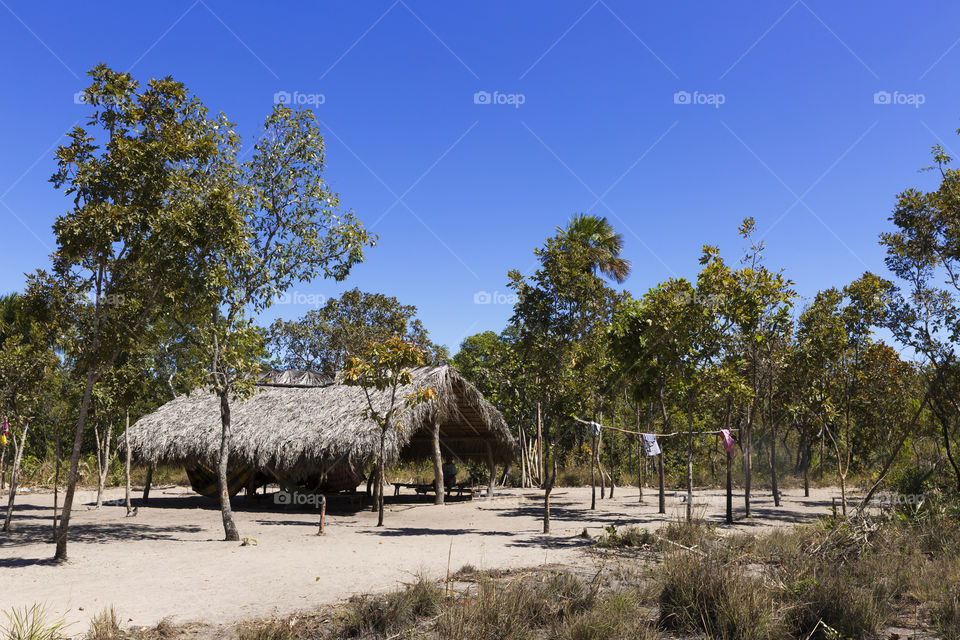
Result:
x=701 y=593
x=394 y=612
x=628 y=537
x=105 y=626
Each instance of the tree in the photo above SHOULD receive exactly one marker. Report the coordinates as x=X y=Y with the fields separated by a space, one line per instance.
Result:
x=559 y=310
x=293 y=231
x=924 y=254
x=27 y=369
x=324 y=339
x=600 y=242
x=384 y=367
x=148 y=210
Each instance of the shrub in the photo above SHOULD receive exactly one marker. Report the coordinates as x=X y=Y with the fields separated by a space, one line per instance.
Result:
x=700 y=593
x=393 y=612
x=32 y=623
x=105 y=626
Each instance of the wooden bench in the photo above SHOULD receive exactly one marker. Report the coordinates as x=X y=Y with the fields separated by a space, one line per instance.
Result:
x=421 y=489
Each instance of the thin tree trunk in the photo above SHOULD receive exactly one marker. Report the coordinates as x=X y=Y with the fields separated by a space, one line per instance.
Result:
x=690 y=459
x=381 y=472
x=662 y=504
x=103 y=462
x=593 y=474
x=613 y=451
x=60 y=555
x=540 y=443
x=747 y=459
x=126 y=469
x=3 y=467
x=729 y=490
x=15 y=476
x=56 y=485
x=438 y=487
x=230 y=533
x=773 y=442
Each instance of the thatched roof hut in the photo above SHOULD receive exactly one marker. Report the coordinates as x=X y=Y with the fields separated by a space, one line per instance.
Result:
x=300 y=424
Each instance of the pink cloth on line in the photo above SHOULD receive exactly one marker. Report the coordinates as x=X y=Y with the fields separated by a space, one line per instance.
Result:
x=728 y=442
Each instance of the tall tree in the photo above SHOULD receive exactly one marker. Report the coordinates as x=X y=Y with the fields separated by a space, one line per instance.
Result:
x=382 y=370
x=148 y=210
x=293 y=231
x=600 y=242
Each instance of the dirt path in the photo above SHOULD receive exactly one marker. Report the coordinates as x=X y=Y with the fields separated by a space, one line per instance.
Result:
x=169 y=562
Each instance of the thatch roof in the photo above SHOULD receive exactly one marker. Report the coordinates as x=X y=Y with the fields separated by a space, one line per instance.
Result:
x=297 y=425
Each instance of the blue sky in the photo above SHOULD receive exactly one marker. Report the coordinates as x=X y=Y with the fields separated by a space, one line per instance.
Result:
x=779 y=121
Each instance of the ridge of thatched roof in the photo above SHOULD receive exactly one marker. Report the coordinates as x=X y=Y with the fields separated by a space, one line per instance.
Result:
x=297 y=431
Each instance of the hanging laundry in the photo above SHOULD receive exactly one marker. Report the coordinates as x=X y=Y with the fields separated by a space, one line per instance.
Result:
x=594 y=429
x=650 y=446
x=728 y=442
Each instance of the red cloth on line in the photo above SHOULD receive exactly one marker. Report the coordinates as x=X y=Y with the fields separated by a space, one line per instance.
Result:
x=728 y=443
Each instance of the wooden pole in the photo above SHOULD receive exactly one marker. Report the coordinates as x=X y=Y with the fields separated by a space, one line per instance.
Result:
x=663 y=495
x=491 y=463
x=729 y=492
x=438 y=487
x=593 y=474
x=323 y=514
x=146 y=484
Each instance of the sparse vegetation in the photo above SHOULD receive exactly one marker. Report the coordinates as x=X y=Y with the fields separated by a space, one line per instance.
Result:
x=32 y=623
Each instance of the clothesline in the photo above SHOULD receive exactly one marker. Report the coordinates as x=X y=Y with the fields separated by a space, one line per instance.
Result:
x=658 y=435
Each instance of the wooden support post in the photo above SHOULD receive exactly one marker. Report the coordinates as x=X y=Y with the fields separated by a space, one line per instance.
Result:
x=641 y=465
x=146 y=484
x=593 y=474
x=729 y=492
x=663 y=496
x=437 y=465
x=323 y=514
x=493 y=470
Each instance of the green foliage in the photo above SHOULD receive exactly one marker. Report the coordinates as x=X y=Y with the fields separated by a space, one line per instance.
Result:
x=32 y=623
x=323 y=340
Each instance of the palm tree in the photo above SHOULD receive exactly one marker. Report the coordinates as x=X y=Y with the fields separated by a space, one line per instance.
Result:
x=604 y=245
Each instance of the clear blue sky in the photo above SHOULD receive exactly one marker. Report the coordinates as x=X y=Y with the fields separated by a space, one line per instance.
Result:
x=460 y=192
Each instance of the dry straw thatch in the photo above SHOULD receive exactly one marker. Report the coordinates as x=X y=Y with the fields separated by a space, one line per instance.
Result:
x=297 y=425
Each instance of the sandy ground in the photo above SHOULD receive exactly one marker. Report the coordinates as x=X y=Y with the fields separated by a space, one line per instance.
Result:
x=170 y=561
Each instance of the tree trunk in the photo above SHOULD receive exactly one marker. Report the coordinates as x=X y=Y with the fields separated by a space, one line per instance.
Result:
x=729 y=490
x=662 y=504
x=596 y=453
x=381 y=473
x=56 y=486
x=15 y=476
x=230 y=533
x=540 y=443
x=690 y=459
x=3 y=467
x=593 y=475
x=773 y=442
x=60 y=555
x=103 y=462
x=438 y=487
x=126 y=469
x=747 y=459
